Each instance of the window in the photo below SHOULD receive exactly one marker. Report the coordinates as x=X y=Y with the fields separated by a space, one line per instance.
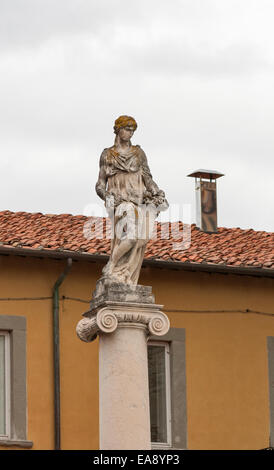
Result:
x=13 y=397
x=167 y=390
x=270 y=347
x=159 y=392
x=4 y=384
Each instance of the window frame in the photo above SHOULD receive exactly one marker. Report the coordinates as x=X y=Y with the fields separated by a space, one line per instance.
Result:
x=178 y=396
x=15 y=326
x=166 y=346
x=6 y=336
x=270 y=350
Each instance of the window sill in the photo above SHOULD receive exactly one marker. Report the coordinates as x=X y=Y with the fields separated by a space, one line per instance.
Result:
x=160 y=445
x=12 y=442
x=155 y=446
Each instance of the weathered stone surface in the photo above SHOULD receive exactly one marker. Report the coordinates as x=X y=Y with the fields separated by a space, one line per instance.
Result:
x=107 y=290
x=115 y=303
x=133 y=201
x=122 y=312
x=123 y=316
x=124 y=393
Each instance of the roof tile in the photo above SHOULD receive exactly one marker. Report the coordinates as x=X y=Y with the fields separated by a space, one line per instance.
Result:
x=230 y=246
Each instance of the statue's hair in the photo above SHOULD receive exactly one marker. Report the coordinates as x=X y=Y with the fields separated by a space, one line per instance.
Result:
x=123 y=121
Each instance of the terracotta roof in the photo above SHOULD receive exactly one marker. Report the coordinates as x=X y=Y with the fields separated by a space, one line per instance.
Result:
x=66 y=233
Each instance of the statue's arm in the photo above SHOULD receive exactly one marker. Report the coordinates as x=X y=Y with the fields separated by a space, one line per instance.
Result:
x=154 y=194
x=101 y=184
x=150 y=185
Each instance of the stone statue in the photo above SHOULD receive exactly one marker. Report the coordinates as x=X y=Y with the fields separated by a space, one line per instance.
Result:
x=132 y=199
x=122 y=313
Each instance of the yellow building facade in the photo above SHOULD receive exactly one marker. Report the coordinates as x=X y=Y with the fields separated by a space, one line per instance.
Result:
x=226 y=318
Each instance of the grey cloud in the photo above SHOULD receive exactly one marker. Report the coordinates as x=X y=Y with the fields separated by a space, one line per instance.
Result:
x=201 y=98
x=26 y=23
x=177 y=58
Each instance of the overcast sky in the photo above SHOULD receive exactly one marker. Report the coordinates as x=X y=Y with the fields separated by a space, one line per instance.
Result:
x=197 y=75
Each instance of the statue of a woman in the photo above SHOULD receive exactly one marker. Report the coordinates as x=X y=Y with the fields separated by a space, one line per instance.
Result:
x=133 y=201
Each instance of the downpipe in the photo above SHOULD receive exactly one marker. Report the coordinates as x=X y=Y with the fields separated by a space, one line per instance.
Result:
x=56 y=355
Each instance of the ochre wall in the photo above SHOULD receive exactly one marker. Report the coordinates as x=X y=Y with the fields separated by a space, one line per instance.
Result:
x=226 y=355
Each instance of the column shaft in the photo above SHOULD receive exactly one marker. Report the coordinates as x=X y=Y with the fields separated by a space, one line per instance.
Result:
x=124 y=394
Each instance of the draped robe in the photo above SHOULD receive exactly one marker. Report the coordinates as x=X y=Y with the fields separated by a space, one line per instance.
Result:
x=132 y=199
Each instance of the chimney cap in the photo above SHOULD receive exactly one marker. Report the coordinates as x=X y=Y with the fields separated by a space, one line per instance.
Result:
x=208 y=174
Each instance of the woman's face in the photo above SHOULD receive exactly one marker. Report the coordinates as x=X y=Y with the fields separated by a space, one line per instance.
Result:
x=125 y=133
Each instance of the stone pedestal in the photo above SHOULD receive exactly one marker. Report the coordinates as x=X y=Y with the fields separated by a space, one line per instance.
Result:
x=123 y=316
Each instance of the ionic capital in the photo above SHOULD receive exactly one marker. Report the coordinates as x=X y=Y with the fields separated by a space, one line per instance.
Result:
x=112 y=315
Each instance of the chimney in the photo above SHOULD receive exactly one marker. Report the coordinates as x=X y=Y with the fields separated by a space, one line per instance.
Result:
x=206 y=199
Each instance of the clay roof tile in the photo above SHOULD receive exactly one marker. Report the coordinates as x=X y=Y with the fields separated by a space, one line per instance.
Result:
x=230 y=246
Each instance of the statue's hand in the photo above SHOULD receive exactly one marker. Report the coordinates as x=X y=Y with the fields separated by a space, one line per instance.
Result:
x=109 y=200
x=112 y=200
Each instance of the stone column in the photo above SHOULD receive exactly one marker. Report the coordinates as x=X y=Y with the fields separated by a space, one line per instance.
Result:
x=123 y=317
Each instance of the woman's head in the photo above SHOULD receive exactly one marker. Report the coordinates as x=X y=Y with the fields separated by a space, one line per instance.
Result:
x=124 y=121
